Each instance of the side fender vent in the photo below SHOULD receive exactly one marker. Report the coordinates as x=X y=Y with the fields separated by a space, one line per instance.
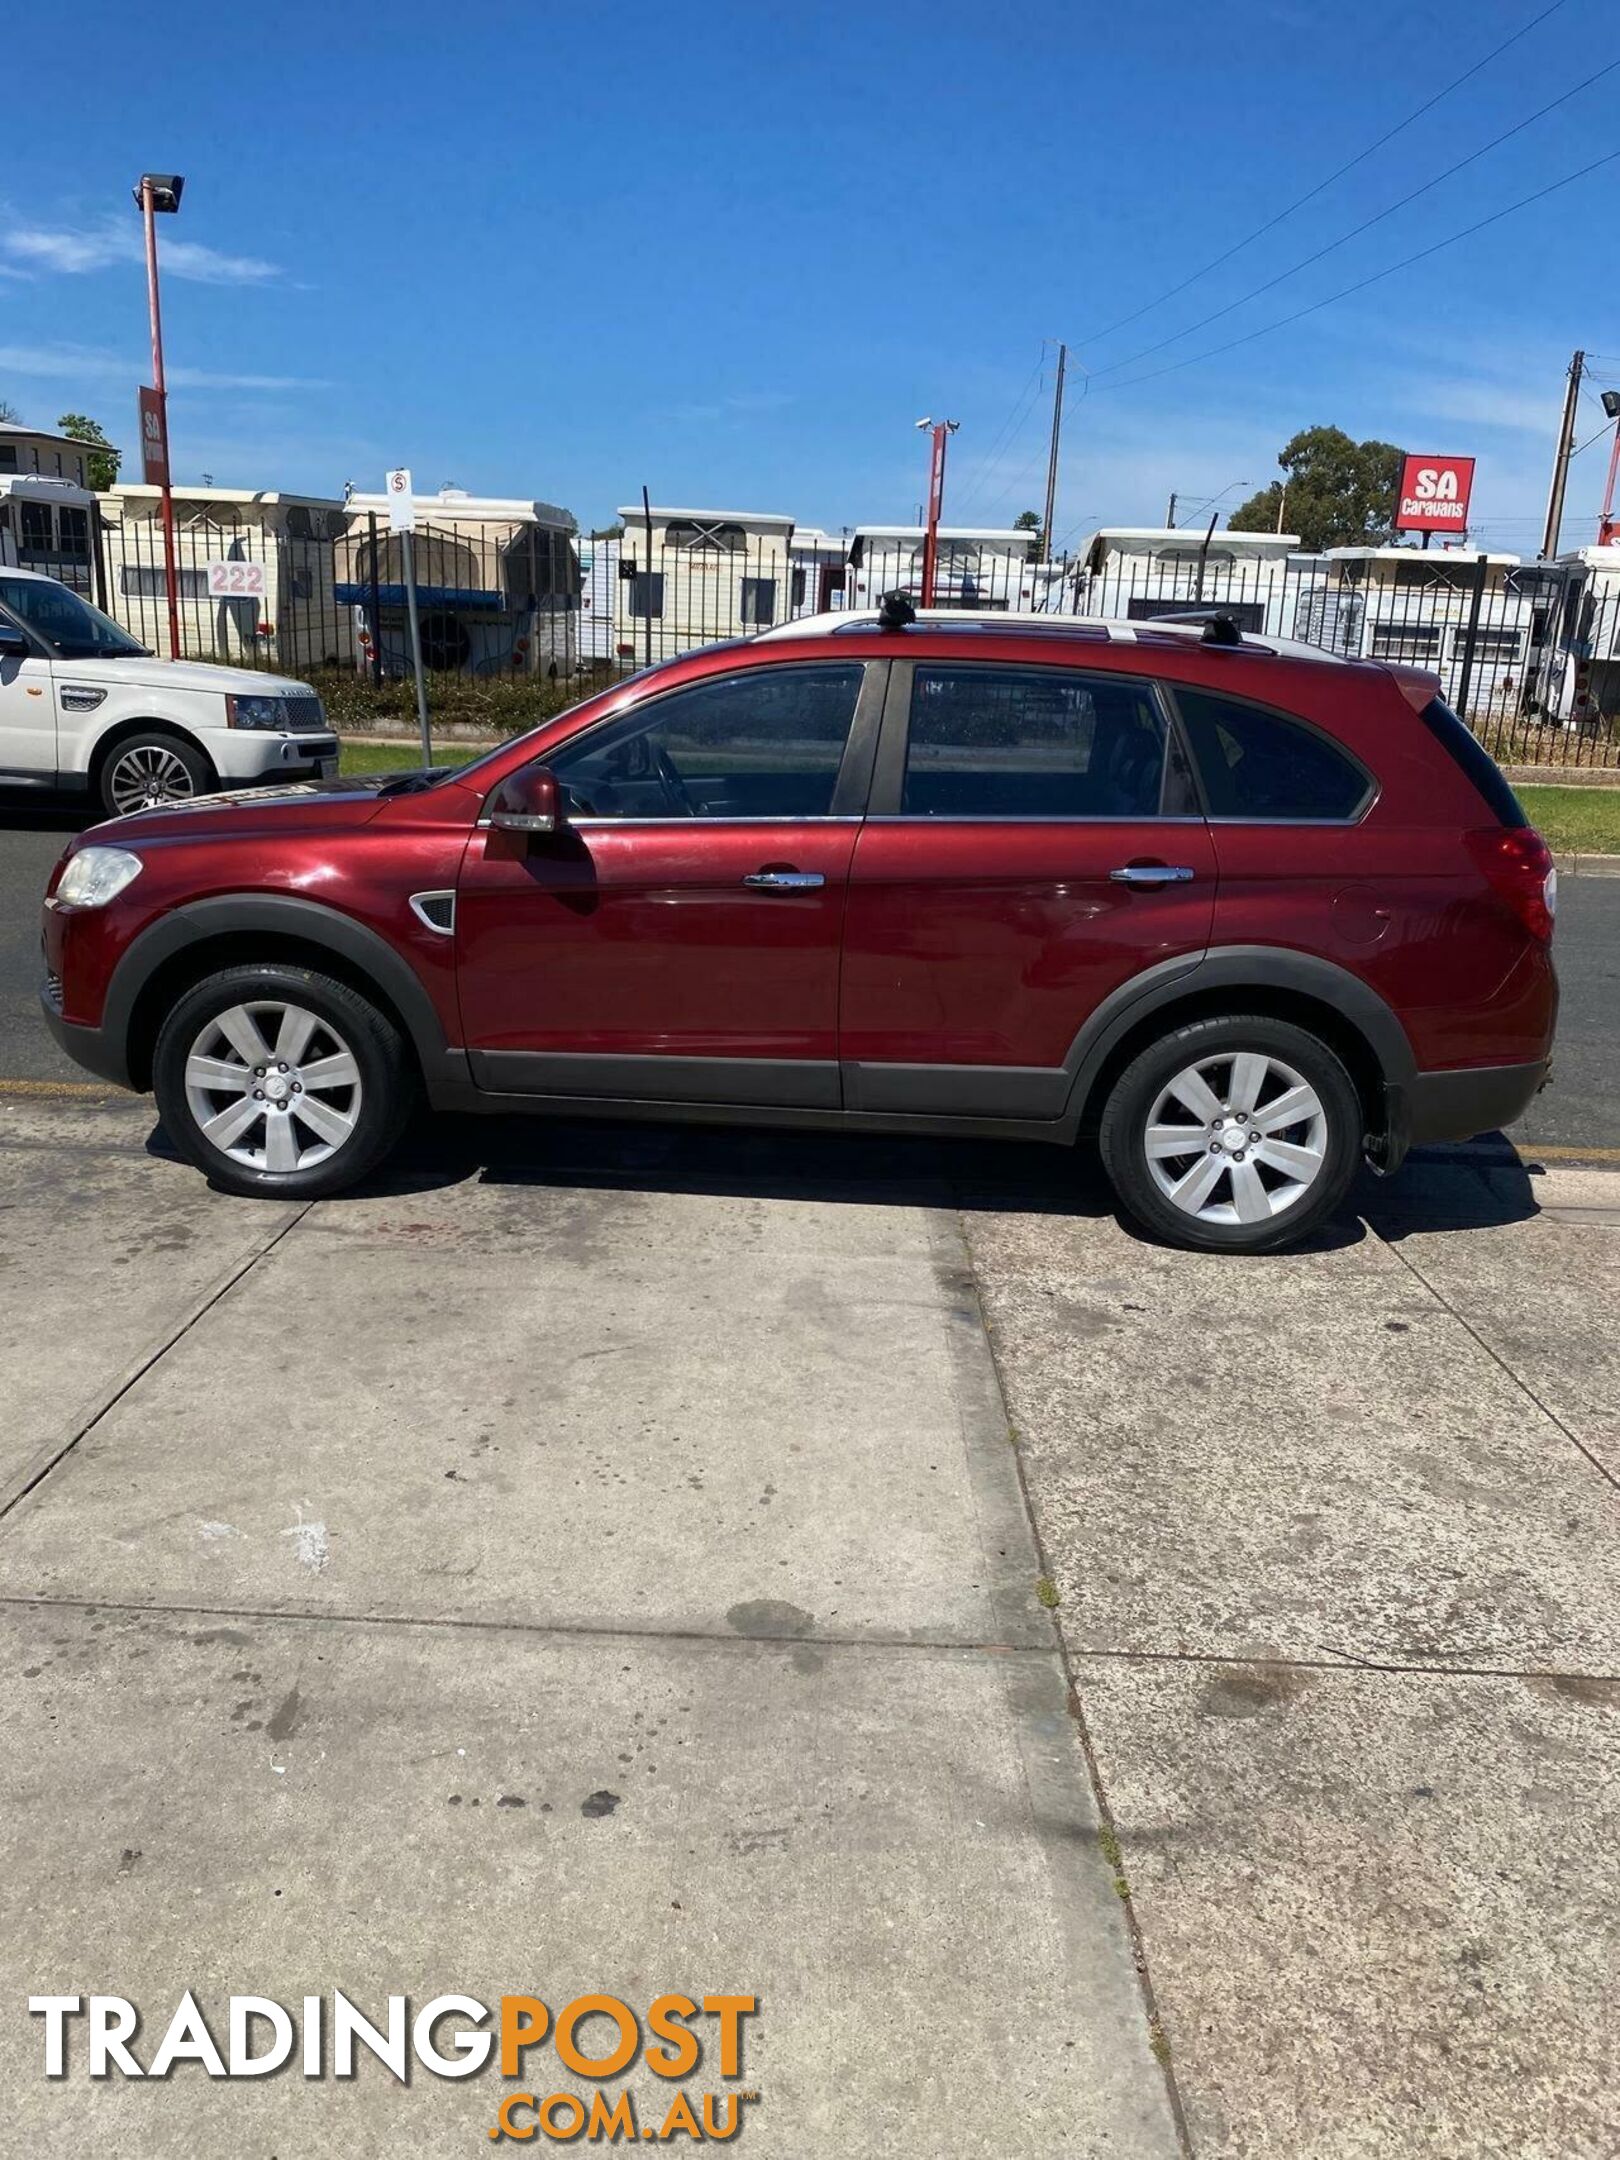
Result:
x=437 y=910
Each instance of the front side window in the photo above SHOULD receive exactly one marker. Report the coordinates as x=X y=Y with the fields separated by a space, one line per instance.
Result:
x=764 y=744
x=1255 y=763
x=73 y=629
x=1033 y=743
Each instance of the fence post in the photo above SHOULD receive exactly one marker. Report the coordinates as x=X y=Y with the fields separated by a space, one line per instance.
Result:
x=98 y=558
x=1465 y=680
x=376 y=601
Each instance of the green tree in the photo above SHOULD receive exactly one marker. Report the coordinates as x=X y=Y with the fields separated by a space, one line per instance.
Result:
x=1030 y=521
x=101 y=466
x=1337 y=493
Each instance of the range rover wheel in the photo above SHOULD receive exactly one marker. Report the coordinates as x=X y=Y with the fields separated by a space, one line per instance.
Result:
x=146 y=771
x=1233 y=1135
x=275 y=1080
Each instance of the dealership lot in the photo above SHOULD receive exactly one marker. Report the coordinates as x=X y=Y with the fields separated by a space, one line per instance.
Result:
x=600 y=1560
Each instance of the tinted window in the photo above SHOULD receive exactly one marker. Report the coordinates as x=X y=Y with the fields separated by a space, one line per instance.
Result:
x=767 y=743
x=1257 y=764
x=76 y=630
x=1476 y=761
x=1013 y=742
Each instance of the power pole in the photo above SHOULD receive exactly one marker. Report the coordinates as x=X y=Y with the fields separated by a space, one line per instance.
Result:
x=1052 y=455
x=1170 y=514
x=1566 y=443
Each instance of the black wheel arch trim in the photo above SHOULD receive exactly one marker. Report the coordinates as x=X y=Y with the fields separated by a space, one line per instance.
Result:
x=283 y=915
x=1238 y=968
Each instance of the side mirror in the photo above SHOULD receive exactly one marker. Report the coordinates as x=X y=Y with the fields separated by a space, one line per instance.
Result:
x=529 y=801
x=12 y=639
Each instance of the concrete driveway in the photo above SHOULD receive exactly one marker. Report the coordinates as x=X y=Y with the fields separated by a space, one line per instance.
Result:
x=622 y=1562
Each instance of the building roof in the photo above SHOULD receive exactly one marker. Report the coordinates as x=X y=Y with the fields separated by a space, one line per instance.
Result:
x=45 y=434
x=946 y=532
x=634 y=514
x=1184 y=535
x=453 y=503
x=141 y=491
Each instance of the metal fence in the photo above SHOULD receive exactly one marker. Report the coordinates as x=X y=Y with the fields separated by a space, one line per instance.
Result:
x=1530 y=655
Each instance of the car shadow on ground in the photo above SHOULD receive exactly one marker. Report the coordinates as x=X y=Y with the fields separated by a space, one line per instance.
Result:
x=25 y=810
x=1481 y=1186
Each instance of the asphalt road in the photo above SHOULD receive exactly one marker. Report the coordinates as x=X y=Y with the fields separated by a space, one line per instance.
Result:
x=1580 y=1111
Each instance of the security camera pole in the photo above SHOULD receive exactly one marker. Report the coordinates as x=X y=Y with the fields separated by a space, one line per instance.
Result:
x=402 y=520
x=940 y=431
x=155 y=192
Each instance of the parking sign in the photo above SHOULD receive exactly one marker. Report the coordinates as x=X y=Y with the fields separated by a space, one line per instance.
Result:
x=401 y=502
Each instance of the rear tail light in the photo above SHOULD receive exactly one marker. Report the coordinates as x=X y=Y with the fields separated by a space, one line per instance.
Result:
x=1519 y=865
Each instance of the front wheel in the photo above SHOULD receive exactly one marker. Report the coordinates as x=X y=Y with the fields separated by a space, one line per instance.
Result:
x=1233 y=1135
x=145 y=771
x=280 y=1082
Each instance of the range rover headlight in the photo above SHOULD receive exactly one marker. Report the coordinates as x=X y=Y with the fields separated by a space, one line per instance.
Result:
x=96 y=875
x=256 y=712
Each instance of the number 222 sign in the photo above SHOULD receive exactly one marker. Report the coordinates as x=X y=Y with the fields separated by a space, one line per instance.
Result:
x=236 y=581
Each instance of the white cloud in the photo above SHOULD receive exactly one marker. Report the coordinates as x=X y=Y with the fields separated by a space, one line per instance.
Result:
x=75 y=363
x=111 y=241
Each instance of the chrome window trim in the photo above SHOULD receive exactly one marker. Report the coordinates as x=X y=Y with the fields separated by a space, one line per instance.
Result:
x=923 y=817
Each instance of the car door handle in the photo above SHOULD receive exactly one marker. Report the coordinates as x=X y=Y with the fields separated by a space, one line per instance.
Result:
x=1152 y=873
x=784 y=880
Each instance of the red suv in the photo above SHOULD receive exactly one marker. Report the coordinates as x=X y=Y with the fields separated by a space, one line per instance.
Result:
x=1243 y=912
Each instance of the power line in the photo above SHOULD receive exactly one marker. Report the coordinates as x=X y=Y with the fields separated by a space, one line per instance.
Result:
x=1321 y=186
x=1366 y=224
x=1345 y=292
x=1021 y=407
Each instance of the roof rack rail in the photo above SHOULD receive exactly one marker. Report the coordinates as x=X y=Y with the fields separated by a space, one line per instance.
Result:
x=1220 y=625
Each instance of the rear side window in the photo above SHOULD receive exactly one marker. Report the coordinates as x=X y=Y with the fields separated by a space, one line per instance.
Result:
x=1259 y=764
x=1466 y=750
x=1032 y=743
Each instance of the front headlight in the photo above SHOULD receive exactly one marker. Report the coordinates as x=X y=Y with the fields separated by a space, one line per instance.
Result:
x=96 y=875
x=256 y=712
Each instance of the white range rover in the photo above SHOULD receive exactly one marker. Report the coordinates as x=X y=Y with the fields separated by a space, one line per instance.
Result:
x=83 y=705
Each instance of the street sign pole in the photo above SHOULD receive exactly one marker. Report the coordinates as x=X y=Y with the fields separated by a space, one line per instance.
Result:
x=402 y=519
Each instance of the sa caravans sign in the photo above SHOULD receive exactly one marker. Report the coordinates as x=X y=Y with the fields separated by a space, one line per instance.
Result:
x=1434 y=494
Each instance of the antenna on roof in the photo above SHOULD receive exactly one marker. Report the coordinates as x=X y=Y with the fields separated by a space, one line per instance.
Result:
x=895 y=611
x=1221 y=630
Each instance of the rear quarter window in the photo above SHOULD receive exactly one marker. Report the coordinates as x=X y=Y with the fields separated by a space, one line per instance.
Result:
x=1465 y=749
x=1256 y=763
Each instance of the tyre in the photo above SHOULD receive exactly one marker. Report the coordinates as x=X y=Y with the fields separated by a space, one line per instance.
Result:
x=1233 y=1135
x=278 y=1081
x=147 y=770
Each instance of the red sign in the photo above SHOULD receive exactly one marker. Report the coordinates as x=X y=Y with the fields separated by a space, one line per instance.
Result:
x=1434 y=494
x=154 y=439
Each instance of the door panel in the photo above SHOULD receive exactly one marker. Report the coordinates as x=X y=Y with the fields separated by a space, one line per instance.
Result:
x=988 y=917
x=642 y=941
x=680 y=938
x=990 y=944
x=27 y=716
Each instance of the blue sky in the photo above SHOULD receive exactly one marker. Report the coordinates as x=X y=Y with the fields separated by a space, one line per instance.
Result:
x=736 y=251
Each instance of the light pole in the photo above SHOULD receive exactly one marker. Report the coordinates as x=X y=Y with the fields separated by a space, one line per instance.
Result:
x=155 y=192
x=940 y=431
x=1606 y=523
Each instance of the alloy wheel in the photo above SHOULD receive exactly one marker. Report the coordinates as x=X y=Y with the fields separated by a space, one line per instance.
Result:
x=273 y=1086
x=146 y=776
x=1237 y=1138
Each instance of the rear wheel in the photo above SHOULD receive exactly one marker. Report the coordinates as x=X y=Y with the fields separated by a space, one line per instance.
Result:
x=1233 y=1135
x=145 y=771
x=275 y=1080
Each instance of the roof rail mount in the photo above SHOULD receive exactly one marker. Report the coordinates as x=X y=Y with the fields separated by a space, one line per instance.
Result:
x=895 y=611
x=1220 y=628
